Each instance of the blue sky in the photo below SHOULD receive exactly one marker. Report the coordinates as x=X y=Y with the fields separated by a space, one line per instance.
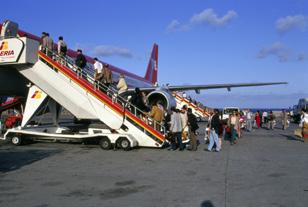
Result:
x=200 y=41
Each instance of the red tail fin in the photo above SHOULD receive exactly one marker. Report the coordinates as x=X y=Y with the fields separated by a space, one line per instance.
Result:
x=151 y=74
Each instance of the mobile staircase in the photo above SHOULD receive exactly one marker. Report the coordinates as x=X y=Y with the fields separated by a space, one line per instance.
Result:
x=58 y=81
x=200 y=113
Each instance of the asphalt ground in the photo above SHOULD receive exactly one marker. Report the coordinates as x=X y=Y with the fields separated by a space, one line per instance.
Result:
x=265 y=168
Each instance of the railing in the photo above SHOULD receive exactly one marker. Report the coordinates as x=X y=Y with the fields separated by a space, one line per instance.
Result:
x=111 y=92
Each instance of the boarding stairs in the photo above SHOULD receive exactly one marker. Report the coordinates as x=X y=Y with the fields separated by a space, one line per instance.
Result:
x=196 y=110
x=75 y=89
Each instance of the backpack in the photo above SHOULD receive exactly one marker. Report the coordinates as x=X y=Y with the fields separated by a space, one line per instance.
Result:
x=63 y=48
x=83 y=61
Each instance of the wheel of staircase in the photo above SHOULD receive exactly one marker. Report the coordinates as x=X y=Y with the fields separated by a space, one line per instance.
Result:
x=124 y=144
x=16 y=140
x=105 y=143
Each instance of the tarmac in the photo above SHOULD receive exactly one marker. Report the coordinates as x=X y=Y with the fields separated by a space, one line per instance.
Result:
x=265 y=168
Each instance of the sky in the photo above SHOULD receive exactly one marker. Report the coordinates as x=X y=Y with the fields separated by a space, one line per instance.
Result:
x=200 y=41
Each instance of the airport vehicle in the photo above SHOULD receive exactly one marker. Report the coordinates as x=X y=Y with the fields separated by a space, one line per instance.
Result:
x=106 y=138
x=10 y=103
x=50 y=80
x=227 y=111
x=302 y=104
x=10 y=119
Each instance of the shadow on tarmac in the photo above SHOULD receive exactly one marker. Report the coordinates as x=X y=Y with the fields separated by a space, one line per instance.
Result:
x=292 y=138
x=207 y=203
x=11 y=160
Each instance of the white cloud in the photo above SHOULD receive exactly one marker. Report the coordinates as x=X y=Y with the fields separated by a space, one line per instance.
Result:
x=206 y=17
x=277 y=49
x=175 y=26
x=209 y=17
x=107 y=50
x=287 y=23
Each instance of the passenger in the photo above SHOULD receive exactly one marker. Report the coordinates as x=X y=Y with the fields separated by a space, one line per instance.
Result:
x=258 y=119
x=157 y=114
x=221 y=132
x=145 y=100
x=304 y=124
x=107 y=75
x=207 y=128
x=264 y=118
x=81 y=62
x=159 y=104
x=238 y=129
x=233 y=123
x=62 y=49
x=49 y=42
x=193 y=126
x=184 y=119
x=285 y=121
x=138 y=101
x=248 y=121
x=167 y=118
x=121 y=86
x=98 y=68
x=271 y=120
x=176 y=129
x=44 y=43
x=214 y=131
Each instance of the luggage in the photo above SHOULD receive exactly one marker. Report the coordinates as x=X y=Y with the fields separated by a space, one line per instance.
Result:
x=298 y=132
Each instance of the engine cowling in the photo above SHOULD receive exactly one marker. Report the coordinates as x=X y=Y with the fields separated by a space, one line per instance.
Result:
x=165 y=97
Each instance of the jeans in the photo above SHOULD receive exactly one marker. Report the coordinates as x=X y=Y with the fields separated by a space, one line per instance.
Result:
x=177 y=140
x=214 y=139
x=233 y=134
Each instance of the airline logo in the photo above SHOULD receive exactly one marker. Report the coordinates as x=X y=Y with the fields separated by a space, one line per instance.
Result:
x=154 y=64
x=37 y=95
x=5 y=51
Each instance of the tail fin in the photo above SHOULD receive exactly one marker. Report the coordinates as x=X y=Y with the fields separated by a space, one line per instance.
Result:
x=151 y=74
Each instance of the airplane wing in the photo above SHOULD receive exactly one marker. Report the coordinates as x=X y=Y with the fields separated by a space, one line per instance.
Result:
x=197 y=88
x=216 y=86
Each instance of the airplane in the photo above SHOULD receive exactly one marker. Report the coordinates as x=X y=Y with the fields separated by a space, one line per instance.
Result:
x=13 y=83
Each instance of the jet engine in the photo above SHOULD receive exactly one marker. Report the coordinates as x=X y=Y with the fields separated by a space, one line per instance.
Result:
x=166 y=99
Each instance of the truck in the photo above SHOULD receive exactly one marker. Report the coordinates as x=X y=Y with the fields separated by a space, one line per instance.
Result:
x=302 y=104
x=227 y=111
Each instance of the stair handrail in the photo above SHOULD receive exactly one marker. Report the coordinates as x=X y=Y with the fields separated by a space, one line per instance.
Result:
x=109 y=91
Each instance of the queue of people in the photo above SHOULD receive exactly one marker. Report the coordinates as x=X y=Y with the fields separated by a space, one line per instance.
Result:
x=265 y=119
x=232 y=128
x=182 y=126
